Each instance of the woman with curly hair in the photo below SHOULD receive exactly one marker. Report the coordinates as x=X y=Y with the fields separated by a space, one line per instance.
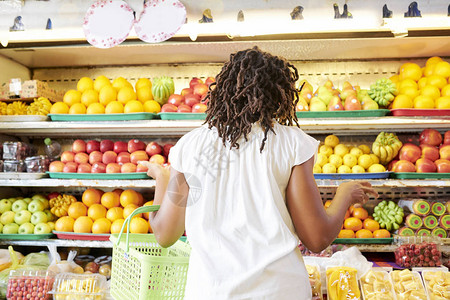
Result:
x=242 y=187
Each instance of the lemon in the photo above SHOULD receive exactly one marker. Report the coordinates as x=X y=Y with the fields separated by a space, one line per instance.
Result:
x=85 y=83
x=443 y=102
x=341 y=150
x=437 y=81
x=317 y=169
x=326 y=150
x=77 y=109
x=152 y=106
x=335 y=160
x=365 y=149
x=120 y=82
x=423 y=102
x=433 y=60
x=71 y=97
x=442 y=68
x=376 y=168
x=126 y=94
x=328 y=168
x=88 y=97
x=445 y=90
x=344 y=169
x=144 y=94
x=394 y=78
x=350 y=160
x=411 y=71
x=409 y=91
x=133 y=106
x=95 y=108
x=365 y=161
x=356 y=152
x=358 y=169
x=100 y=82
x=59 y=108
x=107 y=94
x=402 y=101
x=422 y=83
x=375 y=158
x=114 y=107
x=407 y=83
x=321 y=159
x=143 y=82
x=331 y=140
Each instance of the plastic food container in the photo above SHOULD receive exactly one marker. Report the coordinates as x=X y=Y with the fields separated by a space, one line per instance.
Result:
x=29 y=284
x=314 y=280
x=1 y=165
x=418 y=251
x=15 y=150
x=342 y=281
x=437 y=284
x=37 y=164
x=79 y=286
x=408 y=285
x=377 y=285
x=13 y=166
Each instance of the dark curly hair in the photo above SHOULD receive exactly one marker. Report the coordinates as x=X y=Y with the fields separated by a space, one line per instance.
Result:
x=253 y=86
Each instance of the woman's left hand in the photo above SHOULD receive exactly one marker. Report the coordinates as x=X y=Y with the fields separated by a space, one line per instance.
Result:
x=155 y=171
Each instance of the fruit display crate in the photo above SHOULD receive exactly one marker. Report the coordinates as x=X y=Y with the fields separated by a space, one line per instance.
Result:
x=343 y=113
x=102 y=117
x=101 y=176
x=26 y=237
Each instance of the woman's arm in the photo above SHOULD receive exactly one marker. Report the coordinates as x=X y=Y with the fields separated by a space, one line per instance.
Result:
x=316 y=226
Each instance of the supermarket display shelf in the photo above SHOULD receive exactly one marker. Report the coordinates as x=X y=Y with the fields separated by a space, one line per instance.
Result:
x=346 y=126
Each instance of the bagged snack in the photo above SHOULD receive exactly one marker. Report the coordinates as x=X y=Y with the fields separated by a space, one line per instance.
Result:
x=63 y=266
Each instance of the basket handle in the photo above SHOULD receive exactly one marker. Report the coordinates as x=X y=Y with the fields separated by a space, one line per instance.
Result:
x=139 y=210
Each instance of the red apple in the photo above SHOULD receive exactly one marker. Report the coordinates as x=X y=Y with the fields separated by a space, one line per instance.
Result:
x=113 y=168
x=424 y=165
x=194 y=81
x=84 y=168
x=128 y=168
x=123 y=158
x=98 y=167
x=410 y=152
x=442 y=165
x=209 y=80
x=70 y=167
x=183 y=108
x=120 y=146
x=430 y=137
x=169 y=108
x=106 y=145
x=404 y=166
x=79 y=146
x=175 y=99
x=430 y=152
x=109 y=157
x=200 y=89
x=135 y=145
x=166 y=149
x=67 y=156
x=444 y=152
x=81 y=158
x=447 y=138
x=56 y=166
x=191 y=99
x=390 y=166
x=199 y=108
x=158 y=159
x=92 y=146
x=137 y=156
x=186 y=91
x=95 y=156
x=153 y=148
x=53 y=195
x=141 y=168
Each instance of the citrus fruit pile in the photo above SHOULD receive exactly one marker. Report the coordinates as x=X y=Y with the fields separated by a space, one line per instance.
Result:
x=101 y=212
x=426 y=87
x=100 y=96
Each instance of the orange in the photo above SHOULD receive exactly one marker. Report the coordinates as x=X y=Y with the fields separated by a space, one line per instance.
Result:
x=141 y=199
x=126 y=94
x=364 y=234
x=91 y=196
x=102 y=225
x=371 y=225
x=129 y=197
x=64 y=224
x=88 y=97
x=381 y=233
x=77 y=109
x=147 y=204
x=353 y=223
x=442 y=68
x=59 y=108
x=411 y=71
x=71 y=97
x=110 y=199
x=433 y=60
x=402 y=101
x=96 y=211
x=347 y=214
x=76 y=210
x=85 y=83
x=360 y=213
x=143 y=82
x=100 y=82
x=127 y=210
x=116 y=226
x=114 y=213
x=346 y=234
x=144 y=94
x=83 y=225
x=327 y=203
x=139 y=225
x=107 y=94
x=152 y=106
x=351 y=208
x=437 y=81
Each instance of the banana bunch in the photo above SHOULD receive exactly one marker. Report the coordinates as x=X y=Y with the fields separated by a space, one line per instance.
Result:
x=388 y=214
x=386 y=147
x=162 y=88
x=60 y=204
x=40 y=106
x=342 y=283
x=3 y=107
x=383 y=91
x=16 y=108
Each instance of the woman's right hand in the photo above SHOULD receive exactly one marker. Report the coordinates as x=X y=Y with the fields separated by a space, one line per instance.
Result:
x=357 y=192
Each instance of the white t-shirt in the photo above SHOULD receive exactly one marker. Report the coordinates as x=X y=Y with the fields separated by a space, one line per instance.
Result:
x=244 y=244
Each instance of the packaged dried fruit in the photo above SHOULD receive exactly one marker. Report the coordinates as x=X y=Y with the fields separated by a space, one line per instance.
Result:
x=408 y=285
x=437 y=284
x=13 y=166
x=70 y=286
x=15 y=150
x=37 y=164
x=377 y=285
x=342 y=284
x=314 y=280
x=418 y=251
x=29 y=284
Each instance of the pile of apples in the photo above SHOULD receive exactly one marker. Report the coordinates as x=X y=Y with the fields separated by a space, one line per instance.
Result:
x=431 y=156
x=107 y=156
x=190 y=99
x=29 y=215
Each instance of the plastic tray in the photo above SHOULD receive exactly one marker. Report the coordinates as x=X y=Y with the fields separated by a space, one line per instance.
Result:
x=21 y=175
x=23 y=118
x=102 y=117
x=413 y=175
x=414 y=112
x=380 y=175
x=118 y=176
x=81 y=236
x=343 y=113
x=387 y=278
x=363 y=241
x=28 y=237
x=181 y=116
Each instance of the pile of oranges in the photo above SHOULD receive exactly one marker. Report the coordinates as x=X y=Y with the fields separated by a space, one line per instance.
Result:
x=105 y=212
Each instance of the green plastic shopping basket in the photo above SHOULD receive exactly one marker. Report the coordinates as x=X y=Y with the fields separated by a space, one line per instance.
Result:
x=142 y=269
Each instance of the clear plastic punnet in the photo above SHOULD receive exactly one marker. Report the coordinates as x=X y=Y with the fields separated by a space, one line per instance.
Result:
x=437 y=284
x=408 y=285
x=418 y=251
x=377 y=284
x=342 y=283
x=314 y=280
x=71 y=286
x=30 y=284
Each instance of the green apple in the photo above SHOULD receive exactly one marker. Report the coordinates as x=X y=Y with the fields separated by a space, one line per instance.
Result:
x=23 y=216
x=41 y=198
x=5 y=205
x=38 y=217
x=1 y=227
x=50 y=216
x=36 y=205
x=27 y=200
x=11 y=228
x=52 y=225
x=12 y=199
x=7 y=217
x=26 y=228
x=19 y=205
x=42 y=228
